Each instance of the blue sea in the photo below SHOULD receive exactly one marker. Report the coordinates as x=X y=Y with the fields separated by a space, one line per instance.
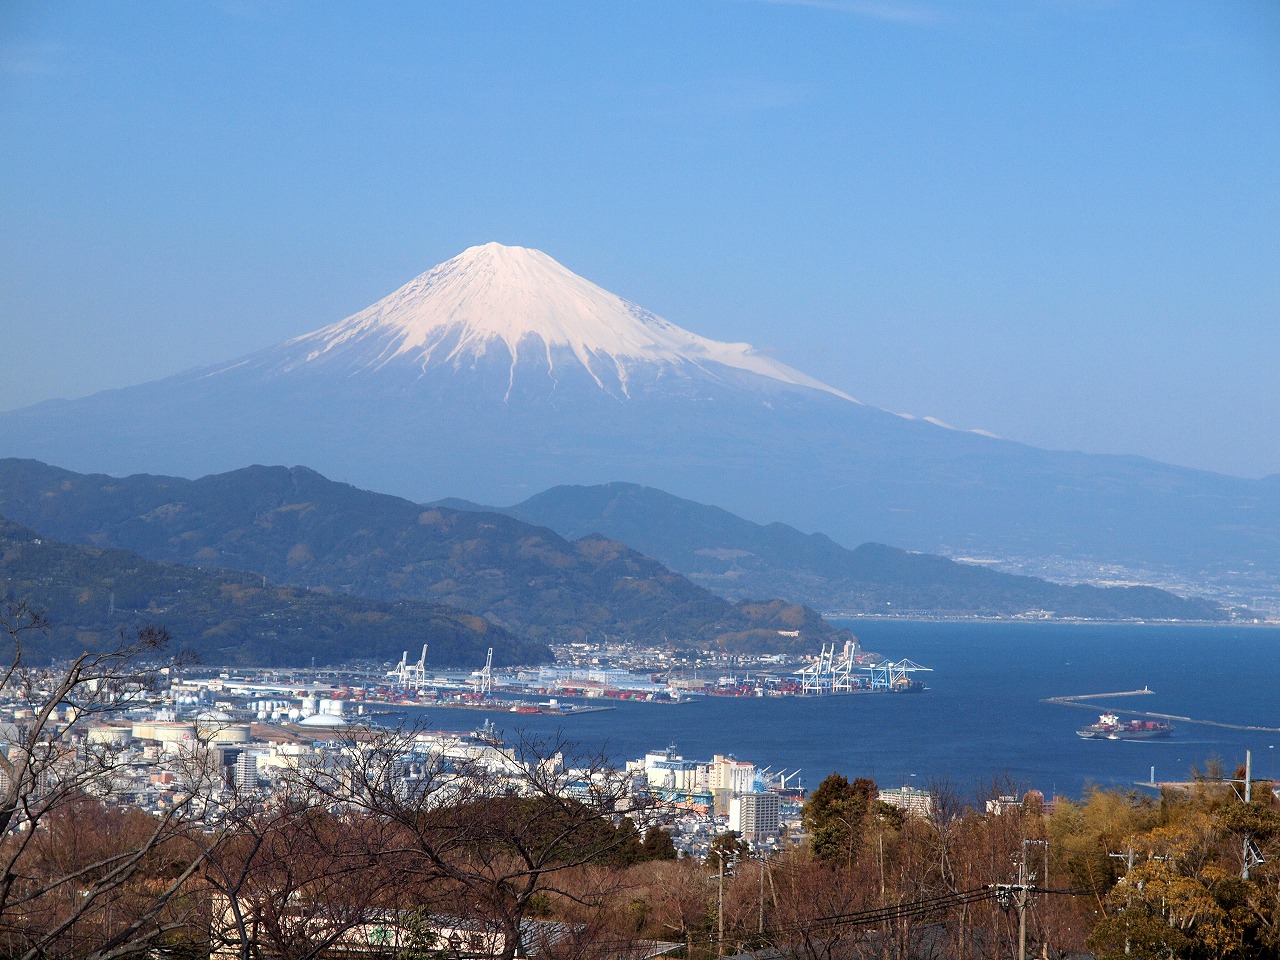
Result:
x=981 y=724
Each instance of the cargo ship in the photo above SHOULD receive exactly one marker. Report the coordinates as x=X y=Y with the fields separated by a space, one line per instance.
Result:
x=1111 y=727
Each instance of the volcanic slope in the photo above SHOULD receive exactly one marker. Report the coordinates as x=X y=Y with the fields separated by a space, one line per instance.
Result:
x=737 y=558
x=501 y=373
x=226 y=616
x=296 y=527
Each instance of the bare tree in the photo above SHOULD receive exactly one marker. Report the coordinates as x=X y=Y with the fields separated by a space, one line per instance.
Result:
x=292 y=882
x=79 y=877
x=482 y=833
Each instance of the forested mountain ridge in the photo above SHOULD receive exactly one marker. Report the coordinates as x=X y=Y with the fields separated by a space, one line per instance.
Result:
x=295 y=526
x=226 y=616
x=737 y=558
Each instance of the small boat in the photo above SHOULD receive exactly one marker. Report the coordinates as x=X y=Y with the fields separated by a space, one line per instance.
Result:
x=1111 y=727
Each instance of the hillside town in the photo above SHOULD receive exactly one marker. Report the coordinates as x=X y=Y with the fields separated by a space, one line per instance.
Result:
x=246 y=736
x=146 y=813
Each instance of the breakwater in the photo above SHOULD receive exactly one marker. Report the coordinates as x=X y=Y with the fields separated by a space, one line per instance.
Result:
x=1083 y=701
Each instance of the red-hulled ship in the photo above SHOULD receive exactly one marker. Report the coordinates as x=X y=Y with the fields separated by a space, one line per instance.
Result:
x=1111 y=727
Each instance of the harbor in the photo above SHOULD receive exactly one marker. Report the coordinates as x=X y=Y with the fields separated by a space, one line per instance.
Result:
x=988 y=679
x=848 y=670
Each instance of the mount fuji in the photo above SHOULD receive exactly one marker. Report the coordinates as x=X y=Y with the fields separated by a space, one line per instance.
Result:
x=519 y=311
x=500 y=373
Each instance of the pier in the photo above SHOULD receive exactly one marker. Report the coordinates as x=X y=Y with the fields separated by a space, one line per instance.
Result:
x=1075 y=701
x=1082 y=701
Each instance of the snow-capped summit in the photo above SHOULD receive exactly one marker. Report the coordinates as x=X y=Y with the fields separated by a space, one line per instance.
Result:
x=520 y=308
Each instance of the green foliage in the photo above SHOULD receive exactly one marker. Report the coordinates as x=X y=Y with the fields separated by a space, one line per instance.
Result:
x=1138 y=934
x=629 y=848
x=420 y=941
x=545 y=830
x=836 y=815
x=1258 y=819
x=658 y=845
x=1083 y=836
x=1183 y=895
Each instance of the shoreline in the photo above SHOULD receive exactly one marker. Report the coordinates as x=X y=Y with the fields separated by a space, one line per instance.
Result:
x=1054 y=621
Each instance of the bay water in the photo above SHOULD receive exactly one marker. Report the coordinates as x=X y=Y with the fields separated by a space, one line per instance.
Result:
x=982 y=725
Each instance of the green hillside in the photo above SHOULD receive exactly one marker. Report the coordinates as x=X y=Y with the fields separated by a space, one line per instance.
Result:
x=229 y=617
x=295 y=526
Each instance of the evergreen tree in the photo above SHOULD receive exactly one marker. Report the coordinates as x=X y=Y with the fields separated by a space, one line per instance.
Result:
x=835 y=815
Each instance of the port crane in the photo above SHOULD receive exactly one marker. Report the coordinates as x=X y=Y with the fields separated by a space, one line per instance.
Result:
x=412 y=676
x=768 y=781
x=831 y=672
x=482 y=679
x=842 y=673
x=892 y=675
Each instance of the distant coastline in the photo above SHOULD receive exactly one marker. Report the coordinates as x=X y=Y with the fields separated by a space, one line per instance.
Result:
x=847 y=618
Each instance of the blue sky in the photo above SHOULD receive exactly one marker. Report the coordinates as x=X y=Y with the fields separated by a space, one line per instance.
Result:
x=1058 y=221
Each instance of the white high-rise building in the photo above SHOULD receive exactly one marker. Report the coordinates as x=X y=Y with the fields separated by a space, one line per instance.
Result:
x=919 y=802
x=246 y=770
x=755 y=816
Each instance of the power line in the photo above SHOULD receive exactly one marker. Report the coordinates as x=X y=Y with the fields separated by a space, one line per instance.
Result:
x=907 y=910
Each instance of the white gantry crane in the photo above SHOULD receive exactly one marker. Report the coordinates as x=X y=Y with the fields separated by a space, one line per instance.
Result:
x=830 y=672
x=841 y=673
x=412 y=676
x=895 y=676
x=482 y=680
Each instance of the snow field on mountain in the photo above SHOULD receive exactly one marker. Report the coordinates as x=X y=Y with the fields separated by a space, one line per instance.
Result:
x=494 y=295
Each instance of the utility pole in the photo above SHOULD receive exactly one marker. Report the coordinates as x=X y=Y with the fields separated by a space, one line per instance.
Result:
x=1252 y=856
x=880 y=840
x=1127 y=857
x=1248 y=776
x=1022 y=905
x=1017 y=894
x=1248 y=798
x=763 y=858
x=720 y=909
